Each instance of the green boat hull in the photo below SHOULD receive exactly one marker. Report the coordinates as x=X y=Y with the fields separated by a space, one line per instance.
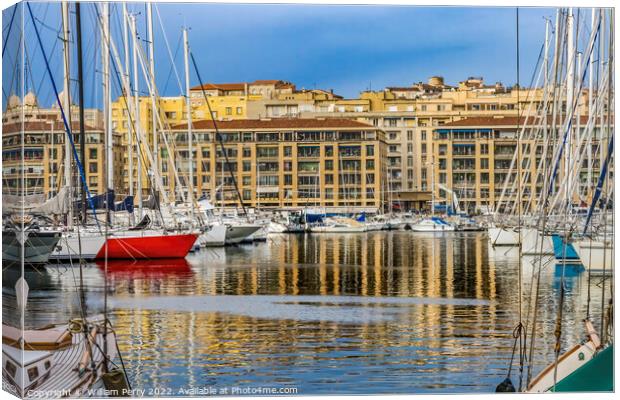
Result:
x=597 y=375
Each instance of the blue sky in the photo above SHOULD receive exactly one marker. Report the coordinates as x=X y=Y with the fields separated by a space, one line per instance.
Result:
x=345 y=48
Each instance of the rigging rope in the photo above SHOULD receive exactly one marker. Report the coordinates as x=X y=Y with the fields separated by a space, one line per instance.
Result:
x=64 y=118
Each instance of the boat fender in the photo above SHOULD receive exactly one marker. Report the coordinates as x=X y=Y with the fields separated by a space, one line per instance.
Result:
x=505 y=386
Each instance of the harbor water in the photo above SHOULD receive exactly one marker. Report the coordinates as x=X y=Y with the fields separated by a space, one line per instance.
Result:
x=379 y=312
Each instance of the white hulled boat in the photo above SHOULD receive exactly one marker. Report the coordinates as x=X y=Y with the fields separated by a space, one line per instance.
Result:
x=433 y=224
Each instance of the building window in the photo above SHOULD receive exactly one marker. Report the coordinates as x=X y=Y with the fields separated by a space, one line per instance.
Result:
x=329 y=165
x=228 y=110
x=484 y=149
x=329 y=151
x=409 y=148
x=484 y=163
x=423 y=135
x=329 y=179
x=442 y=177
x=288 y=179
x=247 y=152
x=288 y=151
x=92 y=167
x=239 y=110
x=92 y=154
x=423 y=148
x=410 y=135
x=247 y=180
x=247 y=194
x=247 y=166
x=370 y=165
x=423 y=107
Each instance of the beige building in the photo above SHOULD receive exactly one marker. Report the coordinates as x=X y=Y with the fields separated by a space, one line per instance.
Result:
x=41 y=136
x=408 y=115
x=284 y=163
x=474 y=156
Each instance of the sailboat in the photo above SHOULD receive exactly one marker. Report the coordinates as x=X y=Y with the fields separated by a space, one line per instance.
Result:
x=432 y=223
x=584 y=367
x=24 y=234
x=595 y=255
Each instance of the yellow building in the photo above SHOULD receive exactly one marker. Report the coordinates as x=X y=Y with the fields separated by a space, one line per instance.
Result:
x=473 y=157
x=41 y=136
x=290 y=163
x=408 y=115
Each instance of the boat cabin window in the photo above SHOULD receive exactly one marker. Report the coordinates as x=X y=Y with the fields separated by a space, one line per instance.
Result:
x=33 y=373
x=10 y=368
x=47 y=365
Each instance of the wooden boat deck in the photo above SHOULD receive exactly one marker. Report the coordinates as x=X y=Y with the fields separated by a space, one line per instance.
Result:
x=64 y=379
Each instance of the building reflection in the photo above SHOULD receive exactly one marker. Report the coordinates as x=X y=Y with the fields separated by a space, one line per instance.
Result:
x=403 y=264
x=165 y=348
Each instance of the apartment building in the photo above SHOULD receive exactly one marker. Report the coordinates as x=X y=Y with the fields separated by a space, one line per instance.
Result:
x=473 y=158
x=35 y=147
x=283 y=163
x=408 y=115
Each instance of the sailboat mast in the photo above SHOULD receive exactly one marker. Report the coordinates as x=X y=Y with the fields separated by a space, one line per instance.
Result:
x=67 y=103
x=127 y=99
x=570 y=91
x=188 y=107
x=107 y=102
x=78 y=28
x=136 y=80
x=151 y=47
x=590 y=104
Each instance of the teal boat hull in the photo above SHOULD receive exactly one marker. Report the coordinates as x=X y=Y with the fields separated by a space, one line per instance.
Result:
x=597 y=375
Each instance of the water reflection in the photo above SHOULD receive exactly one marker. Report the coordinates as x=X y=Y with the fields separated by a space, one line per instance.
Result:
x=384 y=312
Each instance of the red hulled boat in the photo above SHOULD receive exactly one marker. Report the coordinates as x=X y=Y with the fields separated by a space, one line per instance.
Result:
x=146 y=245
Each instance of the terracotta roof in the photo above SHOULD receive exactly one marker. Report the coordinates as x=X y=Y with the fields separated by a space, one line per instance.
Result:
x=220 y=86
x=41 y=126
x=266 y=82
x=501 y=121
x=276 y=123
x=403 y=89
x=241 y=85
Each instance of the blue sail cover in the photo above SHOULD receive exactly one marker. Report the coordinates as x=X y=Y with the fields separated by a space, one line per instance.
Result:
x=99 y=202
x=599 y=185
x=125 y=205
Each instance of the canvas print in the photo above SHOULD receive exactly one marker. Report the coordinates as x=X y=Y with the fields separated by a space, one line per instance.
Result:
x=228 y=199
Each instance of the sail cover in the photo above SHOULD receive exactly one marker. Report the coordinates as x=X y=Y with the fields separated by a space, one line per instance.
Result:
x=99 y=202
x=125 y=205
x=58 y=204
